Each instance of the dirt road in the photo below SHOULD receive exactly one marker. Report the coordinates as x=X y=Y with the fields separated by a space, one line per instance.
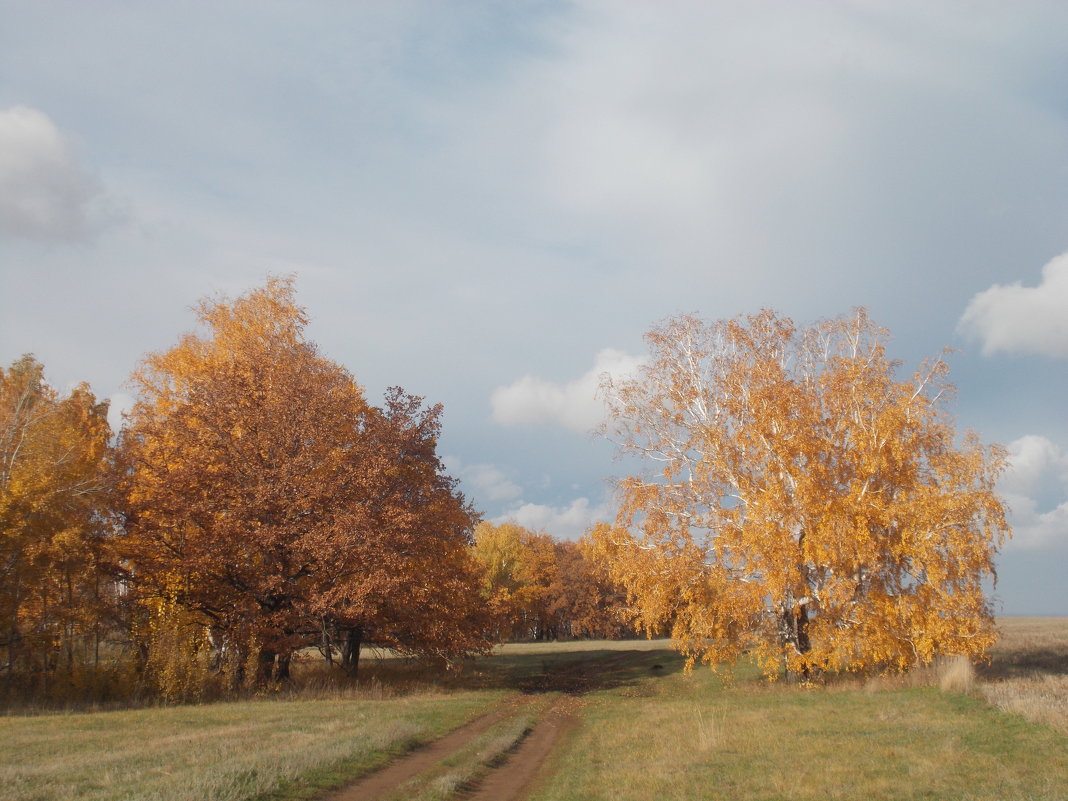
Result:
x=513 y=778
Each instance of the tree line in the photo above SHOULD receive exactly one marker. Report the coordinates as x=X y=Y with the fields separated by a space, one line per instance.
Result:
x=253 y=506
x=803 y=505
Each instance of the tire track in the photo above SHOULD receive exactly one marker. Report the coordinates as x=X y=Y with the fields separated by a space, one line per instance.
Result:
x=423 y=758
x=513 y=778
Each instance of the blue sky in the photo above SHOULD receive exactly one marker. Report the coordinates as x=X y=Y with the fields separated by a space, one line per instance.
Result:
x=490 y=203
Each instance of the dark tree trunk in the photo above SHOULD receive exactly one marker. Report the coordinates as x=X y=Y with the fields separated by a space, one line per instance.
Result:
x=265 y=666
x=350 y=651
x=801 y=638
x=793 y=630
x=281 y=672
x=239 y=654
x=804 y=645
x=327 y=647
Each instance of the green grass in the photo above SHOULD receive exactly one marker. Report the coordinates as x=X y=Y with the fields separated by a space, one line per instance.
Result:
x=689 y=737
x=227 y=751
x=648 y=732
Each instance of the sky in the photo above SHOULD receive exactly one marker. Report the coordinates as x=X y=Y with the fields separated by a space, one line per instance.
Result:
x=489 y=204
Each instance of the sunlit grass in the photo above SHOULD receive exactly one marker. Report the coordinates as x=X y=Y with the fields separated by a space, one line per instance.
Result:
x=226 y=751
x=1029 y=672
x=688 y=736
x=648 y=730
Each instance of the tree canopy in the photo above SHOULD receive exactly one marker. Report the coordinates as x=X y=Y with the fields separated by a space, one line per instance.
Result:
x=265 y=496
x=53 y=551
x=800 y=501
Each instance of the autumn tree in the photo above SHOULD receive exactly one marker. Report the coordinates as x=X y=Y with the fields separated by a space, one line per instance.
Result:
x=268 y=504
x=540 y=588
x=801 y=501
x=54 y=598
x=413 y=585
x=584 y=601
x=518 y=569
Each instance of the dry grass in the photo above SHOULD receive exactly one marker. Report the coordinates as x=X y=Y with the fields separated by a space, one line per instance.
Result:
x=1028 y=673
x=687 y=736
x=229 y=752
x=461 y=769
x=956 y=674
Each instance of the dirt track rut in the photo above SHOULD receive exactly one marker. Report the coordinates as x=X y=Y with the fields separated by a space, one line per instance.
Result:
x=400 y=770
x=513 y=779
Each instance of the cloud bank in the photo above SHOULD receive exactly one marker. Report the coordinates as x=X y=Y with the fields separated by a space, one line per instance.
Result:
x=1035 y=486
x=574 y=405
x=45 y=193
x=484 y=481
x=1019 y=319
x=566 y=522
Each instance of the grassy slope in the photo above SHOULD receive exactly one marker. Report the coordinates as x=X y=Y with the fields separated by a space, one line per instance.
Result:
x=679 y=736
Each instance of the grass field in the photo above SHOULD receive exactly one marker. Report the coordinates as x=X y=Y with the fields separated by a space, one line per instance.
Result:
x=1029 y=671
x=225 y=751
x=646 y=730
x=688 y=737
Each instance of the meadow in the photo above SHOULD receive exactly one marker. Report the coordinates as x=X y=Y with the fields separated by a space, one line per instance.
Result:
x=641 y=728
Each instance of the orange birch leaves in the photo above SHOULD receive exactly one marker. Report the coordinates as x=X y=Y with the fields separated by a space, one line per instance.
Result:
x=801 y=501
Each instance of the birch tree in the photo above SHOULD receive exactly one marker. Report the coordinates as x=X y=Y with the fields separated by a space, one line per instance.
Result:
x=799 y=500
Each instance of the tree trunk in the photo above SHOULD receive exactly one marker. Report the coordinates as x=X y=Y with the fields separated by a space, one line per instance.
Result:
x=804 y=645
x=327 y=646
x=350 y=652
x=282 y=670
x=265 y=666
x=801 y=639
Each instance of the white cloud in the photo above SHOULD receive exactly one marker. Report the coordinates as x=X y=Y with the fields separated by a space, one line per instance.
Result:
x=1016 y=318
x=44 y=192
x=484 y=481
x=575 y=405
x=568 y=522
x=1035 y=486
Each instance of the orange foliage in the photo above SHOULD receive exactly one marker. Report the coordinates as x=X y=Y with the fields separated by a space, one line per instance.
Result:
x=803 y=503
x=263 y=493
x=54 y=591
x=542 y=589
x=585 y=602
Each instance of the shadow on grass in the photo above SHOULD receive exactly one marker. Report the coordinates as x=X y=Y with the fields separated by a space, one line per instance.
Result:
x=1026 y=662
x=574 y=673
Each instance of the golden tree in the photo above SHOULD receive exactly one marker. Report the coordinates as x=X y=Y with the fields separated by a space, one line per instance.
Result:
x=518 y=572
x=265 y=495
x=53 y=548
x=801 y=501
x=584 y=602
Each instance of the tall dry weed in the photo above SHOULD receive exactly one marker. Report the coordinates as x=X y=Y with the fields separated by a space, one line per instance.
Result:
x=956 y=674
x=706 y=730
